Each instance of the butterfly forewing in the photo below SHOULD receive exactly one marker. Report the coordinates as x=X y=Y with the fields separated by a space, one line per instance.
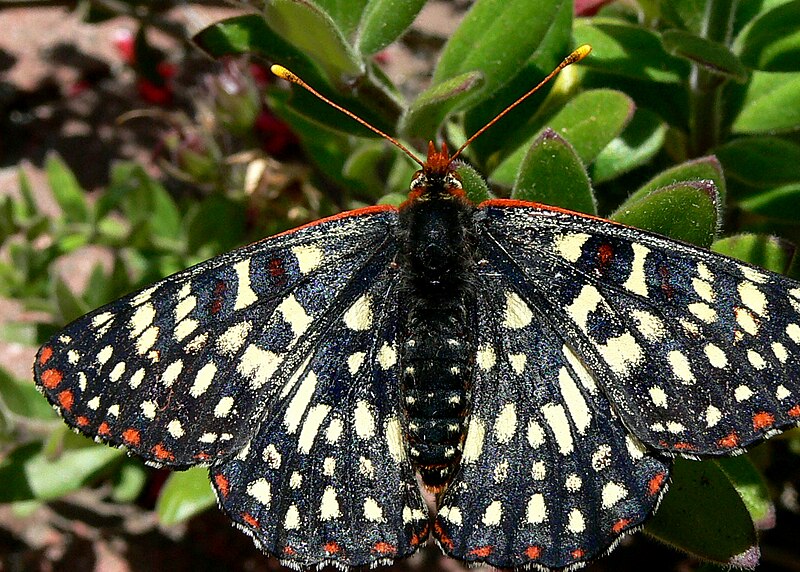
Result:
x=549 y=476
x=698 y=353
x=183 y=371
x=327 y=479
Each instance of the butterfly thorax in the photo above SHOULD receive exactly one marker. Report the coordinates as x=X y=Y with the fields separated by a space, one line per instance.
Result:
x=436 y=261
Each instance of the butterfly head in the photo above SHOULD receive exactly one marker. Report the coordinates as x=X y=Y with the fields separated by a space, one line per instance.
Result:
x=437 y=177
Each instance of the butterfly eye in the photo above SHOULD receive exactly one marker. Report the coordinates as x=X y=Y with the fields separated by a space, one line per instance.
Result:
x=452 y=181
x=419 y=181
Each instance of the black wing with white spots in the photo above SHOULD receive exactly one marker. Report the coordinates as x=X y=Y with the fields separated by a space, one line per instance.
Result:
x=549 y=476
x=699 y=354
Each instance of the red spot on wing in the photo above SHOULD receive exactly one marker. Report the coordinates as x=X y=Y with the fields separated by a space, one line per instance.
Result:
x=730 y=441
x=82 y=421
x=620 y=525
x=218 y=294
x=276 y=268
x=605 y=253
x=66 y=399
x=222 y=484
x=533 y=552
x=384 y=548
x=162 y=453
x=762 y=420
x=250 y=519
x=131 y=437
x=655 y=484
x=104 y=429
x=45 y=355
x=683 y=446
x=577 y=553
x=289 y=550
x=443 y=538
x=51 y=378
x=666 y=287
x=794 y=411
x=480 y=552
x=202 y=456
x=332 y=548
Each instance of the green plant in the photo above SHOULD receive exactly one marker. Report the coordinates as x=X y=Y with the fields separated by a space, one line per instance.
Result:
x=683 y=118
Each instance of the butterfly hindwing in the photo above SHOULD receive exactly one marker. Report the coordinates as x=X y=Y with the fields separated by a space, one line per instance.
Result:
x=327 y=479
x=182 y=371
x=698 y=353
x=549 y=476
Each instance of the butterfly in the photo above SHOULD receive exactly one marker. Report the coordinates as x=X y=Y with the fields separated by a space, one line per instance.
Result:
x=538 y=368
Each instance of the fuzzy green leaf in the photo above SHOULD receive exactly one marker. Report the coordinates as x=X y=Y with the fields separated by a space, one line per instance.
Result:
x=184 y=495
x=642 y=139
x=589 y=121
x=761 y=161
x=771 y=104
x=474 y=184
x=382 y=21
x=752 y=488
x=762 y=250
x=771 y=41
x=552 y=173
x=68 y=193
x=782 y=203
x=22 y=398
x=627 y=50
x=344 y=12
x=712 y=56
x=687 y=211
x=129 y=481
x=703 y=168
x=703 y=515
x=428 y=111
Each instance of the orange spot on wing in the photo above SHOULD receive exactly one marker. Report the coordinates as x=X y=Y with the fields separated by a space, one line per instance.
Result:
x=51 y=378
x=222 y=484
x=104 y=429
x=655 y=483
x=794 y=411
x=577 y=553
x=604 y=255
x=762 y=420
x=533 y=552
x=131 y=437
x=332 y=548
x=443 y=538
x=480 y=552
x=289 y=550
x=384 y=548
x=620 y=525
x=683 y=446
x=250 y=519
x=162 y=453
x=202 y=456
x=46 y=354
x=729 y=441
x=66 y=399
x=82 y=421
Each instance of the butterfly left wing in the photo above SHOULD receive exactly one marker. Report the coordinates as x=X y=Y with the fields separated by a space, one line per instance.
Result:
x=549 y=476
x=699 y=354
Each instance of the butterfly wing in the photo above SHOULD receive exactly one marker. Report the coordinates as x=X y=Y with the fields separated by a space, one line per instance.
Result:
x=549 y=476
x=326 y=479
x=698 y=353
x=183 y=371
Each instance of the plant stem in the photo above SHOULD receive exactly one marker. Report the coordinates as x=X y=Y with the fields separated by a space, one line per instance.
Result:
x=705 y=88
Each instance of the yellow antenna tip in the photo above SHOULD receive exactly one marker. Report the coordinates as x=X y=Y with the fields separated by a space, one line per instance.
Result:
x=579 y=53
x=283 y=73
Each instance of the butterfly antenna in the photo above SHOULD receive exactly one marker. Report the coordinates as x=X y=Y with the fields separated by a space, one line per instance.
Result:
x=577 y=55
x=283 y=73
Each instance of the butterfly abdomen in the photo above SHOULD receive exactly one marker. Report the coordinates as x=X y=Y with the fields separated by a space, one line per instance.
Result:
x=438 y=346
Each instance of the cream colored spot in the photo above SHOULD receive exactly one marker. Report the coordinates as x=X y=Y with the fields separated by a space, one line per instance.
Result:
x=334 y=431
x=309 y=257
x=372 y=510
x=746 y=320
x=203 y=379
x=329 y=466
x=261 y=491
x=716 y=356
x=584 y=303
x=93 y=403
x=573 y=483
x=395 y=439
x=601 y=458
x=675 y=427
x=753 y=298
x=493 y=514
x=308 y=434
x=114 y=410
x=506 y=423
x=703 y=289
x=613 y=493
x=658 y=396
x=364 y=420
x=329 y=507
x=782 y=392
x=635 y=447
x=713 y=416
x=742 y=393
x=141 y=319
x=780 y=352
x=295 y=480
x=621 y=353
x=473 y=445
x=576 y=404
x=208 y=438
x=793 y=331
x=172 y=372
x=637 y=281
x=184 y=328
x=295 y=315
x=570 y=246
x=584 y=376
x=117 y=372
x=451 y=514
x=234 y=337
x=224 y=407
x=104 y=355
x=754 y=275
x=149 y=409
x=175 y=429
x=536 y=511
x=535 y=434
x=517 y=362
x=486 y=358
x=184 y=307
x=299 y=403
x=680 y=366
x=649 y=325
x=359 y=316
x=557 y=420
x=575 y=522
x=538 y=470
x=387 y=356
x=703 y=312
x=258 y=365
x=354 y=362
x=292 y=519
x=73 y=357
x=756 y=360
x=136 y=379
x=517 y=314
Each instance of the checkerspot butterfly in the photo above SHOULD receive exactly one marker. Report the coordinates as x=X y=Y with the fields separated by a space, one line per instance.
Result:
x=538 y=367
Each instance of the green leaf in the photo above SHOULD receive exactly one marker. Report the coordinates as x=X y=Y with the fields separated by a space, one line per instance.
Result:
x=771 y=104
x=589 y=121
x=344 y=12
x=684 y=14
x=382 y=22
x=204 y=228
x=552 y=173
x=762 y=250
x=687 y=211
x=761 y=161
x=642 y=139
x=627 y=50
x=304 y=25
x=129 y=481
x=22 y=398
x=68 y=193
x=12 y=473
x=28 y=206
x=428 y=111
x=712 y=56
x=703 y=515
x=771 y=41
x=184 y=495
x=782 y=203
x=68 y=304
x=703 y=168
x=474 y=184
x=752 y=488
